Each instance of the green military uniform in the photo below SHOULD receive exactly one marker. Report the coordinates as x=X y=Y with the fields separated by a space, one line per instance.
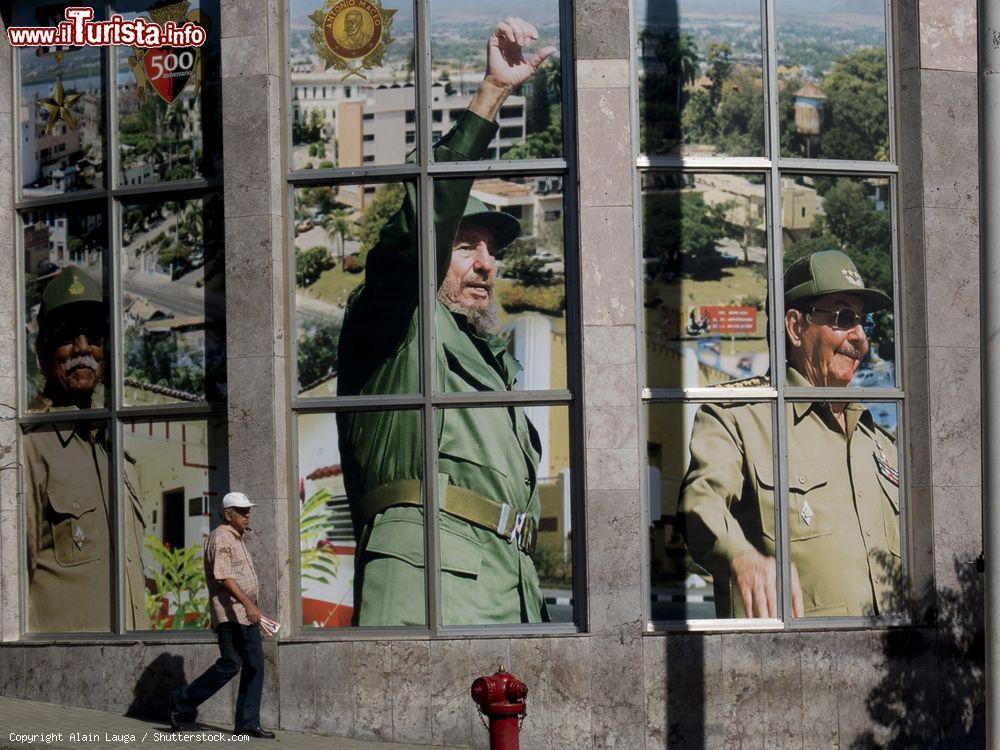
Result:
x=843 y=503
x=487 y=457
x=69 y=531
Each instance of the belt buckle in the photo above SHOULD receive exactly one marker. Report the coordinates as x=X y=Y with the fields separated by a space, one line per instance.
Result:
x=515 y=533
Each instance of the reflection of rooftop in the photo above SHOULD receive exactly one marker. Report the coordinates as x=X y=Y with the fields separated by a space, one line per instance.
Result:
x=324 y=471
x=503 y=188
x=189 y=322
x=162 y=390
x=810 y=90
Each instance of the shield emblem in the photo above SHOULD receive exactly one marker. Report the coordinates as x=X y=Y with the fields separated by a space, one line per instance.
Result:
x=169 y=69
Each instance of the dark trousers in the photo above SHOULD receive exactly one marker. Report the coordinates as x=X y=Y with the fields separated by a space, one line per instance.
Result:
x=239 y=652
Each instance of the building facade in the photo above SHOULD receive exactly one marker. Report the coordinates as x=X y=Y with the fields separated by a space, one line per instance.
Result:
x=228 y=228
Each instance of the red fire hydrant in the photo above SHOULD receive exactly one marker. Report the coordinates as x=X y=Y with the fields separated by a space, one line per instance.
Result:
x=501 y=698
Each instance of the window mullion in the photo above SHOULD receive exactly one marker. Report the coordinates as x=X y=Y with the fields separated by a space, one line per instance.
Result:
x=428 y=291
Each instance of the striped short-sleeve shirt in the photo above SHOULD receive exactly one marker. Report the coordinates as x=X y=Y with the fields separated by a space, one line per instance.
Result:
x=226 y=556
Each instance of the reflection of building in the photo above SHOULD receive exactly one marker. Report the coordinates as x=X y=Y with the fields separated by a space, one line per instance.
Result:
x=535 y=204
x=810 y=102
x=380 y=119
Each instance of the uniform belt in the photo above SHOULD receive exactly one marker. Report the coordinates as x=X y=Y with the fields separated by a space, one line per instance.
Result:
x=500 y=518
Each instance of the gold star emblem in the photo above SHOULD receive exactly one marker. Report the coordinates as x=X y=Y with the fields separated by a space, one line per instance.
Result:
x=59 y=106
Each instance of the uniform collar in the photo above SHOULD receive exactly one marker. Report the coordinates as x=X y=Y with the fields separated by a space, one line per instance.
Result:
x=856 y=413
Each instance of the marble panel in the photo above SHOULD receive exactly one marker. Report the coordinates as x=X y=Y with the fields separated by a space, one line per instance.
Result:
x=819 y=691
x=252 y=319
x=612 y=469
x=242 y=17
x=40 y=663
x=916 y=410
x=618 y=716
x=781 y=685
x=220 y=711
x=372 y=677
x=607 y=265
x=609 y=345
x=486 y=656
x=744 y=709
x=530 y=663
x=451 y=709
x=86 y=665
x=612 y=428
x=160 y=669
x=10 y=542
x=269 y=709
x=411 y=701
x=610 y=385
x=614 y=559
x=251 y=429
x=951 y=246
x=604 y=129
x=570 y=696
x=297 y=687
x=907 y=43
x=246 y=159
x=6 y=73
x=920 y=525
x=617 y=613
x=244 y=56
x=10 y=674
x=950 y=139
x=913 y=286
x=948 y=35
x=956 y=417
x=601 y=74
x=334 y=688
x=602 y=29
x=855 y=677
x=909 y=144
x=958 y=533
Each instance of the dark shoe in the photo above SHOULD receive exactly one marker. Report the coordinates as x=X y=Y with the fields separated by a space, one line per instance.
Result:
x=173 y=715
x=258 y=732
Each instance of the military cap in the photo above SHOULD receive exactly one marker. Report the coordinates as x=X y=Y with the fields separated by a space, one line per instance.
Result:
x=829 y=272
x=70 y=286
x=504 y=227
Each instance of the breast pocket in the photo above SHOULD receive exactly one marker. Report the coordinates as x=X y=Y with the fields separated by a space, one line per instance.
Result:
x=79 y=526
x=806 y=514
x=403 y=539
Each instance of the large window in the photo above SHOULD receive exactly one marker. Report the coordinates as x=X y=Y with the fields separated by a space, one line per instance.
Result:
x=772 y=393
x=432 y=239
x=122 y=350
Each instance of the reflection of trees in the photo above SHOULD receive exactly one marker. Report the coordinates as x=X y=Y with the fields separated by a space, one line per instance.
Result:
x=856 y=120
x=384 y=203
x=339 y=228
x=310 y=264
x=317 y=353
x=543 y=116
x=681 y=232
x=854 y=224
x=674 y=64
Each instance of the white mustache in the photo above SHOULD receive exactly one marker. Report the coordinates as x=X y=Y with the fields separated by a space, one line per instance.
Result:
x=850 y=351
x=85 y=360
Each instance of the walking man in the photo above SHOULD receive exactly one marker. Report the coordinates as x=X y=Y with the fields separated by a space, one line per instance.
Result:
x=232 y=592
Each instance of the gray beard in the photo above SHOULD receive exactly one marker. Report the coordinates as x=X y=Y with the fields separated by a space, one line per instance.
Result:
x=482 y=320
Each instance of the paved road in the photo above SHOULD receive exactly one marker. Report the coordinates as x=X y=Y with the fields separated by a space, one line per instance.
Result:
x=62 y=728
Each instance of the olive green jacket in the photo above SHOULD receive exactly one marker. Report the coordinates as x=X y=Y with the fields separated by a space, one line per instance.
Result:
x=69 y=532
x=843 y=503
x=493 y=452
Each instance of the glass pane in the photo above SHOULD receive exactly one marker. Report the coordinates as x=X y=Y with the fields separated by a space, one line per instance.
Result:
x=837 y=235
x=517 y=459
x=832 y=92
x=357 y=290
x=352 y=83
x=359 y=479
x=173 y=301
x=501 y=317
x=705 y=281
x=470 y=41
x=68 y=529
x=700 y=77
x=712 y=511
x=61 y=106
x=162 y=119
x=843 y=504
x=175 y=477
x=66 y=308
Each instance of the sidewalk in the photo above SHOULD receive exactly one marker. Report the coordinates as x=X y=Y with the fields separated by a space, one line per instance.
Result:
x=98 y=730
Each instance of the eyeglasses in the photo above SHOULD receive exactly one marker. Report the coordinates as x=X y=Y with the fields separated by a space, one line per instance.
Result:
x=845 y=318
x=66 y=332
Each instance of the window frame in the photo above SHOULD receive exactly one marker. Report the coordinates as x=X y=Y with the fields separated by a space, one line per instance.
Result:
x=107 y=200
x=773 y=166
x=424 y=173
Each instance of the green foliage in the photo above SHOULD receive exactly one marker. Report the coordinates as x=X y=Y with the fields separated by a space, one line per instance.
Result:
x=521 y=263
x=309 y=264
x=317 y=562
x=740 y=115
x=662 y=96
x=384 y=203
x=681 y=231
x=163 y=359
x=317 y=352
x=720 y=64
x=309 y=131
x=550 y=564
x=515 y=298
x=858 y=108
x=180 y=572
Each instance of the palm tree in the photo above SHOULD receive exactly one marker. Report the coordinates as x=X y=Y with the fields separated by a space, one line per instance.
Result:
x=174 y=121
x=338 y=226
x=679 y=52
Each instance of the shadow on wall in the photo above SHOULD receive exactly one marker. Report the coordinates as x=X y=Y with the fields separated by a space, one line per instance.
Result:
x=933 y=694
x=164 y=674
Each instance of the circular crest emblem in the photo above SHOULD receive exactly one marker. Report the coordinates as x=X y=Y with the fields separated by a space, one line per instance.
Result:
x=353 y=29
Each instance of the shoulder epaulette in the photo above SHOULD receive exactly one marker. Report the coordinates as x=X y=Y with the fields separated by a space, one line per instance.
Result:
x=757 y=381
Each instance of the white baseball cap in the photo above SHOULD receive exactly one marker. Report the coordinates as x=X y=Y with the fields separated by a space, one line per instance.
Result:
x=236 y=500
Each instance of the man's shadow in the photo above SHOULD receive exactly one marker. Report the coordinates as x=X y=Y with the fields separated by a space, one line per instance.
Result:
x=152 y=691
